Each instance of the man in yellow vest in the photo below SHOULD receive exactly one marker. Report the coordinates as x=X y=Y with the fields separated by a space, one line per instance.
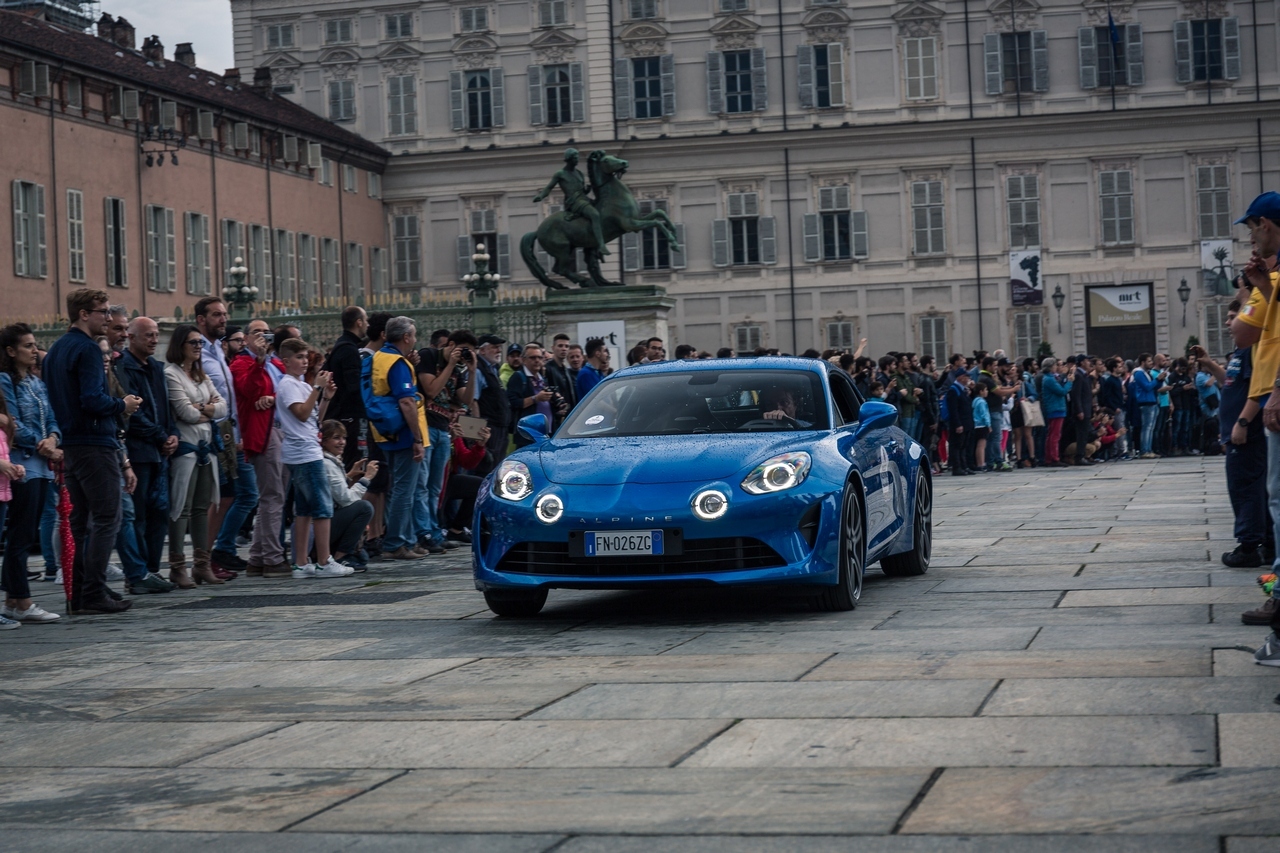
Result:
x=393 y=377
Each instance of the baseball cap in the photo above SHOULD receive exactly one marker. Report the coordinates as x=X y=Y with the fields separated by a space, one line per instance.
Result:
x=490 y=339
x=514 y=348
x=1266 y=205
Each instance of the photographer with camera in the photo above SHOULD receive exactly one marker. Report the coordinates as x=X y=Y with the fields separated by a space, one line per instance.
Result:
x=446 y=376
x=529 y=392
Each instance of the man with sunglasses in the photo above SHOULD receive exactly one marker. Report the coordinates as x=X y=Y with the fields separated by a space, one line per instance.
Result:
x=528 y=392
x=87 y=414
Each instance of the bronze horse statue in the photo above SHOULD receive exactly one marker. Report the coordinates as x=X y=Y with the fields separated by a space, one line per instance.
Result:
x=560 y=234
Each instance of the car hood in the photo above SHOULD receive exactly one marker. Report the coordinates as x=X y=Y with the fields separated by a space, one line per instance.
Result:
x=659 y=459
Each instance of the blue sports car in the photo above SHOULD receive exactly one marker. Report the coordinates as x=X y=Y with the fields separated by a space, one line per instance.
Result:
x=733 y=472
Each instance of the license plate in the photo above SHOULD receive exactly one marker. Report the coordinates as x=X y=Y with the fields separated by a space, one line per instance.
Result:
x=622 y=543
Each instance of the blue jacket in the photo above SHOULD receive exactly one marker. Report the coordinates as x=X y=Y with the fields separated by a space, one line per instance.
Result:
x=33 y=422
x=1144 y=388
x=149 y=427
x=981 y=414
x=1053 y=396
x=77 y=382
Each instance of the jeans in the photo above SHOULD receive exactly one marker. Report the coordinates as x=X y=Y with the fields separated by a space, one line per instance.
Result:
x=93 y=479
x=49 y=527
x=1149 y=412
x=1162 y=435
x=909 y=424
x=1247 y=472
x=1122 y=443
x=24 y=514
x=246 y=496
x=311 y=495
x=151 y=520
x=426 y=511
x=1183 y=422
x=405 y=474
x=132 y=558
x=267 y=548
x=994 y=454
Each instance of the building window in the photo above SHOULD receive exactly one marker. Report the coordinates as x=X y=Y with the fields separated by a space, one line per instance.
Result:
x=30 y=256
x=75 y=235
x=1212 y=202
x=408 y=250
x=199 y=281
x=640 y=10
x=355 y=268
x=349 y=178
x=117 y=248
x=378 y=271
x=840 y=335
x=402 y=106
x=259 y=263
x=1023 y=197
x=330 y=282
x=342 y=100
x=73 y=90
x=326 y=172
x=1217 y=340
x=484 y=229
x=1028 y=332
x=479 y=100
x=655 y=248
x=734 y=5
x=162 y=256
x=926 y=217
x=308 y=273
x=279 y=36
x=1116 y=191
x=1206 y=49
x=1015 y=54
x=232 y=248
x=286 y=267
x=1016 y=63
x=747 y=338
x=553 y=13
x=338 y=31
x=920 y=58
x=1112 y=67
x=400 y=25
x=647 y=87
x=375 y=185
x=556 y=94
x=737 y=81
x=933 y=338
x=473 y=19
x=835 y=233
x=823 y=73
x=744 y=228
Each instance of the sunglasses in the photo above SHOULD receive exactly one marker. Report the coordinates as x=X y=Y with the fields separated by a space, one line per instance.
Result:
x=194 y=342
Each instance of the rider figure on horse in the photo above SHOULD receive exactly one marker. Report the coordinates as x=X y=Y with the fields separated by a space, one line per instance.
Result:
x=576 y=203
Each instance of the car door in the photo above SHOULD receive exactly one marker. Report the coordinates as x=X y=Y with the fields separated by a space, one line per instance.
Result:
x=877 y=455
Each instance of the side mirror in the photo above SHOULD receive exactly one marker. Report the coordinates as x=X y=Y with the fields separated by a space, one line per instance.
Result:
x=874 y=414
x=536 y=429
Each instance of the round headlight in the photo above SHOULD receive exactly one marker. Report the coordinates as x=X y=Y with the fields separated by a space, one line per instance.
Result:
x=778 y=474
x=549 y=509
x=710 y=504
x=513 y=481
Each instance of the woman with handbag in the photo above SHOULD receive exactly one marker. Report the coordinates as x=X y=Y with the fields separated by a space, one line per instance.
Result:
x=193 y=474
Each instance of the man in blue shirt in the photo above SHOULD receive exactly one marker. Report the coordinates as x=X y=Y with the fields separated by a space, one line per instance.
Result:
x=405 y=450
x=595 y=369
x=89 y=418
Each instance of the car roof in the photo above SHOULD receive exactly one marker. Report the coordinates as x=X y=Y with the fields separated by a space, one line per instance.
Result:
x=764 y=362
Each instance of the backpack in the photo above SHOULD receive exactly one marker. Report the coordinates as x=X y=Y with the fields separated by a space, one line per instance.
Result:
x=381 y=410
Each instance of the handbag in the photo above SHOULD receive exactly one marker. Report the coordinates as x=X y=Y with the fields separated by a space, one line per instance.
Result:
x=1032 y=414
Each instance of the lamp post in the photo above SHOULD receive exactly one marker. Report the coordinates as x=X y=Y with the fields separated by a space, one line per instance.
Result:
x=1184 y=293
x=1059 y=298
x=239 y=293
x=483 y=285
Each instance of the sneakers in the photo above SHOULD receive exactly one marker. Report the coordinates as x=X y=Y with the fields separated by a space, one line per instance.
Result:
x=1261 y=616
x=1269 y=653
x=7 y=624
x=114 y=572
x=332 y=569
x=152 y=583
x=1243 y=557
x=305 y=571
x=34 y=614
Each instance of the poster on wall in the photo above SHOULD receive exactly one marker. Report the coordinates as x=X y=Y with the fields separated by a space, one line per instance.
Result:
x=614 y=335
x=1217 y=266
x=1127 y=305
x=1024 y=278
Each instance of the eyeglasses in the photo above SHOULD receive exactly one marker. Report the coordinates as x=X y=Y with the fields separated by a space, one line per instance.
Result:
x=535 y=357
x=194 y=342
x=106 y=312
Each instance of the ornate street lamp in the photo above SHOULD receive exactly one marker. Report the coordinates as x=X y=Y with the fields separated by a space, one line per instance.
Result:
x=1184 y=293
x=1059 y=299
x=239 y=293
x=483 y=285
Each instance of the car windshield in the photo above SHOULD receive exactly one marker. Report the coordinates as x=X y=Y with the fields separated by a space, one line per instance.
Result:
x=702 y=401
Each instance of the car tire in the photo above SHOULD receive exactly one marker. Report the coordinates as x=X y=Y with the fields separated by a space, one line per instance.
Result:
x=916 y=561
x=853 y=553
x=516 y=603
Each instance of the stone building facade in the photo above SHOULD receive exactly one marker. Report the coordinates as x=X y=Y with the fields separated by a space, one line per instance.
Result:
x=145 y=175
x=838 y=169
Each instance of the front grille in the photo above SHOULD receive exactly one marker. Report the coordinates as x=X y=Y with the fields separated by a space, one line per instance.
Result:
x=700 y=555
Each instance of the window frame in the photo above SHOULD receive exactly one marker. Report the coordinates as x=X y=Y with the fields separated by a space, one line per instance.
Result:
x=931 y=344
x=403 y=122
x=1220 y=197
x=1022 y=203
x=278 y=30
x=1116 y=208
x=738 y=101
x=342 y=100
x=197 y=269
x=473 y=26
x=652 y=101
x=553 y=13
x=337 y=25
x=76 y=270
x=406 y=249
x=920 y=78
x=402 y=19
x=117 y=241
x=479 y=99
x=560 y=102
x=929 y=207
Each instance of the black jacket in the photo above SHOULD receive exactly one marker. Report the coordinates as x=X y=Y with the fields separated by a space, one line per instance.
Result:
x=959 y=408
x=928 y=406
x=518 y=387
x=494 y=405
x=149 y=427
x=344 y=364
x=559 y=377
x=1080 y=397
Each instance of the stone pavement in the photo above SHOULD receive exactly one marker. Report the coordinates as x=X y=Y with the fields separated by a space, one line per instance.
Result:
x=1068 y=676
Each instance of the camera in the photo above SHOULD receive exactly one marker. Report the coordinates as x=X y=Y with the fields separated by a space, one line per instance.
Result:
x=269 y=338
x=553 y=389
x=464 y=353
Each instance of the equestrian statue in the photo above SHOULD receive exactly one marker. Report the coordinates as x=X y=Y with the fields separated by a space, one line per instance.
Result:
x=586 y=223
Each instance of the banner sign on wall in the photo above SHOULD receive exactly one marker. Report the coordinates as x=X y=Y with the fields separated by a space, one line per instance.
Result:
x=1129 y=305
x=1217 y=266
x=614 y=335
x=1024 y=278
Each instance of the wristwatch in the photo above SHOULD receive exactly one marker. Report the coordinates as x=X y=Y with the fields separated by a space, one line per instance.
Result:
x=1244 y=422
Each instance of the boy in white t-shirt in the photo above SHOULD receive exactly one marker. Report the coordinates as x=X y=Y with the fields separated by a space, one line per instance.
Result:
x=301 y=407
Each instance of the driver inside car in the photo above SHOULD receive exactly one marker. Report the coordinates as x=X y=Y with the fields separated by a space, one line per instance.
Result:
x=779 y=404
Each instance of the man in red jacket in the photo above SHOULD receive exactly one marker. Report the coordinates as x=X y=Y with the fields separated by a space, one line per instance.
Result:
x=256 y=401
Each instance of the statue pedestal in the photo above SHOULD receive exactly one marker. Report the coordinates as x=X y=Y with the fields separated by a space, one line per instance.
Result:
x=624 y=316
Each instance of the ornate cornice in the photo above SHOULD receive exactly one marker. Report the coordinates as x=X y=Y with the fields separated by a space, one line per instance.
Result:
x=919 y=20
x=735 y=32
x=644 y=39
x=553 y=46
x=1011 y=15
x=826 y=24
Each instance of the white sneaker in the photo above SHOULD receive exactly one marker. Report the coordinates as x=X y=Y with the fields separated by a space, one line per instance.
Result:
x=114 y=572
x=333 y=569
x=304 y=571
x=1268 y=654
x=34 y=613
x=58 y=578
x=7 y=624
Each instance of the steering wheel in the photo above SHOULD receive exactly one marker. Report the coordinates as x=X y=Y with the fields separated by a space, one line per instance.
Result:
x=789 y=423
